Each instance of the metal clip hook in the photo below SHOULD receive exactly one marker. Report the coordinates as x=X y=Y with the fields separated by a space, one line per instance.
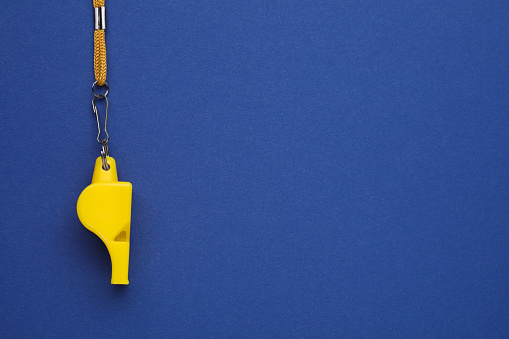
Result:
x=96 y=112
x=105 y=153
x=104 y=141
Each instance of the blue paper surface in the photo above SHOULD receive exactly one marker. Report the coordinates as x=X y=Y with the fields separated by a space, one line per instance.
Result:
x=300 y=169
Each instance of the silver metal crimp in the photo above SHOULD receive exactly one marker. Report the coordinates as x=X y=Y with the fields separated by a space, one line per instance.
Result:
x=100 y=17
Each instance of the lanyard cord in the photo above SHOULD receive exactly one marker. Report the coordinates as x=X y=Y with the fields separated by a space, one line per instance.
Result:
x=99 y=46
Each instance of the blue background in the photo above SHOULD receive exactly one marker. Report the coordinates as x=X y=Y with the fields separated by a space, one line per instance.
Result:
x=300 y=169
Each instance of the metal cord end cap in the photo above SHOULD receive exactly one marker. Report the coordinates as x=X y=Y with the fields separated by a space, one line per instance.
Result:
x=100 y=17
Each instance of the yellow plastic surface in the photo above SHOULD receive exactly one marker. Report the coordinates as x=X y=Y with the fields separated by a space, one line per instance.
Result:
x=104 y=207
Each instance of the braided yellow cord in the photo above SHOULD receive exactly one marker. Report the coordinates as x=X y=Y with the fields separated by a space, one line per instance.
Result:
x=99 y=57
x=99 y=51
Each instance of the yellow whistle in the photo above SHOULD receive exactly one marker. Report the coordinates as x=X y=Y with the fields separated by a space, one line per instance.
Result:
x=104 y=207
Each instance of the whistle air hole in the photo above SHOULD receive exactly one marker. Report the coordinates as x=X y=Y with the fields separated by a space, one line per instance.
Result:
x=121 y=237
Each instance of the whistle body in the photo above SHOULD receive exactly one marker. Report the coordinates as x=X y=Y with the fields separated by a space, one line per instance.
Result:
x=104 y=207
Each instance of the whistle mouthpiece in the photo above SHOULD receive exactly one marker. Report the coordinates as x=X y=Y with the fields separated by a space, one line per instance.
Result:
x=104 y=207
